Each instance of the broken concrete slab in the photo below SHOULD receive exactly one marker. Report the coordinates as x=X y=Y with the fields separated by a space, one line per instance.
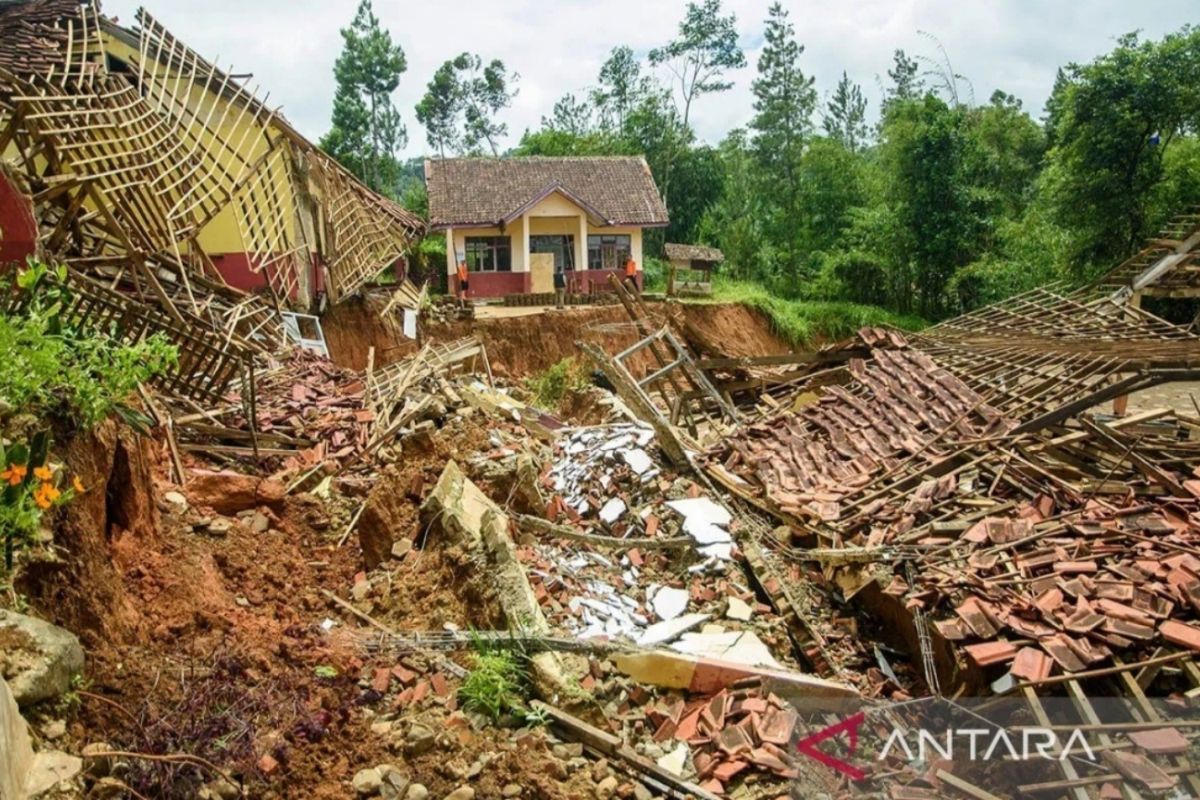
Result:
x=38 y=659
x=460 y=512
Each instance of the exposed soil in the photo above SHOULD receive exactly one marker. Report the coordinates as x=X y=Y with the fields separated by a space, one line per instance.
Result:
x=524 y=345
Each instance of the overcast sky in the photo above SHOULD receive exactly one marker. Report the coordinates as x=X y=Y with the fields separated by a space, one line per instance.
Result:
x=557 y=46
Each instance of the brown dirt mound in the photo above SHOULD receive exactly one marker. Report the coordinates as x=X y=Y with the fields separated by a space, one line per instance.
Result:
x=524 y=345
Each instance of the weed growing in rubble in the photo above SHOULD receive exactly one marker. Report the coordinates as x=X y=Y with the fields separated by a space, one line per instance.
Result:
x=498 y=684
x=549 y=387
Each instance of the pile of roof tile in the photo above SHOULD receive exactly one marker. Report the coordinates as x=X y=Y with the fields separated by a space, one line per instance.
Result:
x=806 y=462
x=1069 y=595
x=730 y=736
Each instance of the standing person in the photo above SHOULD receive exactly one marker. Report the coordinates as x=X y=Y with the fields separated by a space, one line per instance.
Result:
x=463 y=283
x=560 y=287
x=631 y=274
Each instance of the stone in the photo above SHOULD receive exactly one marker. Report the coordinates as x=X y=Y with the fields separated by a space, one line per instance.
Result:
x=607 y=787
x=38 y=659
x=567 y=750
x=113 y=788
x=395 y=783
x=223 y=789
x=511 y=790
x=49 y=769
x=54 y=729
x=384 y=513
x=640 y=792
x=176 y=502
x=738 y=609
x=401 y=548
x=260 y=522
x=417 y=791
x=461 y=793
x=16 y=751
x=367 y=782
x=220 y=527
x=419 y=739
x=228 y=492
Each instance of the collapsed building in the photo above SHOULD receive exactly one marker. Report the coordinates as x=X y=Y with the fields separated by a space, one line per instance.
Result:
x=741 y=542
x=178 y=199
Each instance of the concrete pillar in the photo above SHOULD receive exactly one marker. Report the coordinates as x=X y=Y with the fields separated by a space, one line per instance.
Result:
x=581 y=244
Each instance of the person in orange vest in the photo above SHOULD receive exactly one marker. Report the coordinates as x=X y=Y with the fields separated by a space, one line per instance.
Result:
x=631 y=273
x=463 y=283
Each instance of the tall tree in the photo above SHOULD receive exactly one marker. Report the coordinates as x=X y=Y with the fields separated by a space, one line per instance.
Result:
x=439 y=109
x=1120 y=115
x=906 y=80
x=621 y=87
x=461 y=104
x=570 y=115
x=845 y=118
x=703 y=51
x=784 y=101
x=367 y=131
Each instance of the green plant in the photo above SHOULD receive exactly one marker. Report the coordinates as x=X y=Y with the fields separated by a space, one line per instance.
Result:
x=325 y=671
x=53 y=370
x=31 y=486
x=800 y=322
x=498 y=684
x=551 y=385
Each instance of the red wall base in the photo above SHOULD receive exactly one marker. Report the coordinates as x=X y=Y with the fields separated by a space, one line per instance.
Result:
x=499 y=284
x=18 y=226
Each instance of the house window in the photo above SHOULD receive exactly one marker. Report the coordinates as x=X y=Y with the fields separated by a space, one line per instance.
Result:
x=489 y=253
x=563 y=248
x=609 y=252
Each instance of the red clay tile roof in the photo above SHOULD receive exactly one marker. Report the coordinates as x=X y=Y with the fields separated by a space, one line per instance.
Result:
x=34 y=33
x=619 y=190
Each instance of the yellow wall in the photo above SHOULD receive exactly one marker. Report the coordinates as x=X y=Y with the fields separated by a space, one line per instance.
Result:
x=221 y=234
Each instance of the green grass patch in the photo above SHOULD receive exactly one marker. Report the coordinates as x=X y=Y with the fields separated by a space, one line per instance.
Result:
x=550 y=386
x=801 y=322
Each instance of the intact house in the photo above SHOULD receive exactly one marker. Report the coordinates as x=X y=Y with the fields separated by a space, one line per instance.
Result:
x=517 y=221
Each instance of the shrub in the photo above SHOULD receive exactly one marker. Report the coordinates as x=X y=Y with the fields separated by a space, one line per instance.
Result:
x=52 y=371
x=549 y=387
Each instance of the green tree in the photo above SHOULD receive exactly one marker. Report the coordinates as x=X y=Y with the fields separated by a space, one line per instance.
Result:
x=439 y=109
x=705 y=48
x=570 y=115
x=1118 y=118
x=461 y=105
x=732 y=222
x=906 y=79
x=366 y=128
x=845 y=117
x=923 y=152
x=784 y=101
x=621 y=88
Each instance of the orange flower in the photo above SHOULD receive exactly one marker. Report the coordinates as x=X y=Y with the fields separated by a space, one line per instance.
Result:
x=43 y=473
x=14 y=474
x=77 y=485
x=42 y=497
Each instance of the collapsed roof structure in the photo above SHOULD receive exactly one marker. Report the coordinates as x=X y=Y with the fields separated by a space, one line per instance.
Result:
x=158 y=177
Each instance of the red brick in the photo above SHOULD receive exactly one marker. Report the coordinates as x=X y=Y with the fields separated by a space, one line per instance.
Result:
x=1181 y=634
x=726 y=770
x=688 y=725
x=1160 y=740
x=383 y=677
x=991 y=652
x=420 y=691
x=1031 y=664
x=440 y=687
x=404 y=675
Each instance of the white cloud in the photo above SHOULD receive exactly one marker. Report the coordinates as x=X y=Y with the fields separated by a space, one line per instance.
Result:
x=557 y=46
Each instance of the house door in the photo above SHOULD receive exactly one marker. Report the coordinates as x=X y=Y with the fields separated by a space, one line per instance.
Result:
x=561 y=247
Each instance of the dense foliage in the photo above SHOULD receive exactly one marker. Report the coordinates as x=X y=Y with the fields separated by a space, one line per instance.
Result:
x=941 y=206
x=930 y=205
